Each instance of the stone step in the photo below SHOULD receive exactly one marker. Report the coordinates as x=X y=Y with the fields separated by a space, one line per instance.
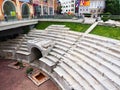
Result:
x=23 y=52
x=106 y=51
x=65 y=41
x=52 y=58
x=60 y=47
x=65 y=36
x=57 y=28
x=104 y=82
x=54 y=30
x=14 y=40
x=102 y=49
x=24 y=45
x=112 y=47
x=102 y=39
x=57 y=38
x=47 y=61
x=11 y=42
x=102 y=69
x=34 y=37
x=59 y=51
x=23 y=49
x=8 y=47
x=68 y=78
x=55 y=54
x=46 y=35
x=63 y=44
x=67 y=33
x=23 y=55
x=57 y=25
x=75 y=76
x=62 y=33
x=52 y=35
x=36 y=31
x=104 y=56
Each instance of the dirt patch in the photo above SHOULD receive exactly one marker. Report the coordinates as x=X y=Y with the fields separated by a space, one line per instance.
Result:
x=12 y=79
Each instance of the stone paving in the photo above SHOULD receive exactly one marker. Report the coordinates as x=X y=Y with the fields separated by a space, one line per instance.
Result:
x=12 y=79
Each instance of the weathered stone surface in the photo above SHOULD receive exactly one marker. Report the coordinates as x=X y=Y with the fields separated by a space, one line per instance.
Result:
x=89 y=63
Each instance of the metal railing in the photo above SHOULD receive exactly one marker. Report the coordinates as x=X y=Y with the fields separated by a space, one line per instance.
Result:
x=58 y=17
x=115 y=17
x=27 y=17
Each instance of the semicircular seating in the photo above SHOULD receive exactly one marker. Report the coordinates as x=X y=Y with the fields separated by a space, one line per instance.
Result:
x=89 y=63
x=75 y=63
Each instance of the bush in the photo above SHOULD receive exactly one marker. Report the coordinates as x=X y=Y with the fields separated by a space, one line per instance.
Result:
x=21 y=64
x=29 y=70
x=105 y=16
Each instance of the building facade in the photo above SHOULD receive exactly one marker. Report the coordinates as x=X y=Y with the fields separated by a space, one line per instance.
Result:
x=83 y=6
x=93 y=7
x=57 y=4
x=43 y=7
x=16 y=9
x=68 y=6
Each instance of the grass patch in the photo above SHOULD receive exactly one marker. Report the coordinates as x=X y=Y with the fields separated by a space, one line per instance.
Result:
x=72 y=25
x=107 y=31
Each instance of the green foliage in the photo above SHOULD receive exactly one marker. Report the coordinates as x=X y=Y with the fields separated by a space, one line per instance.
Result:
x=107 y=31
x=20 y=64
x=72 y=25
x=29 y=70
x=113 y=6
x=26 y=29
x=106 y=16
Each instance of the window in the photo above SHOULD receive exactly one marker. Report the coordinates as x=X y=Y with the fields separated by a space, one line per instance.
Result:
x=72 y=5
x=45 y=1
x=72 y=9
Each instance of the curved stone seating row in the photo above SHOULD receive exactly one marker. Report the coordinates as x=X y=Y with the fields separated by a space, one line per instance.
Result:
x=74 y=63
x=107 y=74
x=112 y=48
x=92 y=64
x=58 y=37
x=87 y=66
x=8 y=48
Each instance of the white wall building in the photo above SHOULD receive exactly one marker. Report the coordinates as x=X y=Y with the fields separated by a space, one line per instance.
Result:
x=95 y=7
x=68 y=6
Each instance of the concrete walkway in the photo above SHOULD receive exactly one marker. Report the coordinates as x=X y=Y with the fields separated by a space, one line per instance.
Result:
x=89 y=29
x=117 y=23
x=15 y=24
x=12 y=79
x=63 y=20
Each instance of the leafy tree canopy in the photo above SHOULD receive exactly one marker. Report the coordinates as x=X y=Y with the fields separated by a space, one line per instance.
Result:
x=113 y=6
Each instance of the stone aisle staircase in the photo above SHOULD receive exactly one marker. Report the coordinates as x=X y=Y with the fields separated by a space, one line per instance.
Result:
x=8 y=48
x=75 y=63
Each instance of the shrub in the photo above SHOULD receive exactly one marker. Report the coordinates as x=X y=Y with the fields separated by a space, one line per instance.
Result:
x=21 y=64
x=29 y=70
x=105 y=16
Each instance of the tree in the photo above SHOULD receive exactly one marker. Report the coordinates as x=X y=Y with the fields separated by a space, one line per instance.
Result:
x=113 y=6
